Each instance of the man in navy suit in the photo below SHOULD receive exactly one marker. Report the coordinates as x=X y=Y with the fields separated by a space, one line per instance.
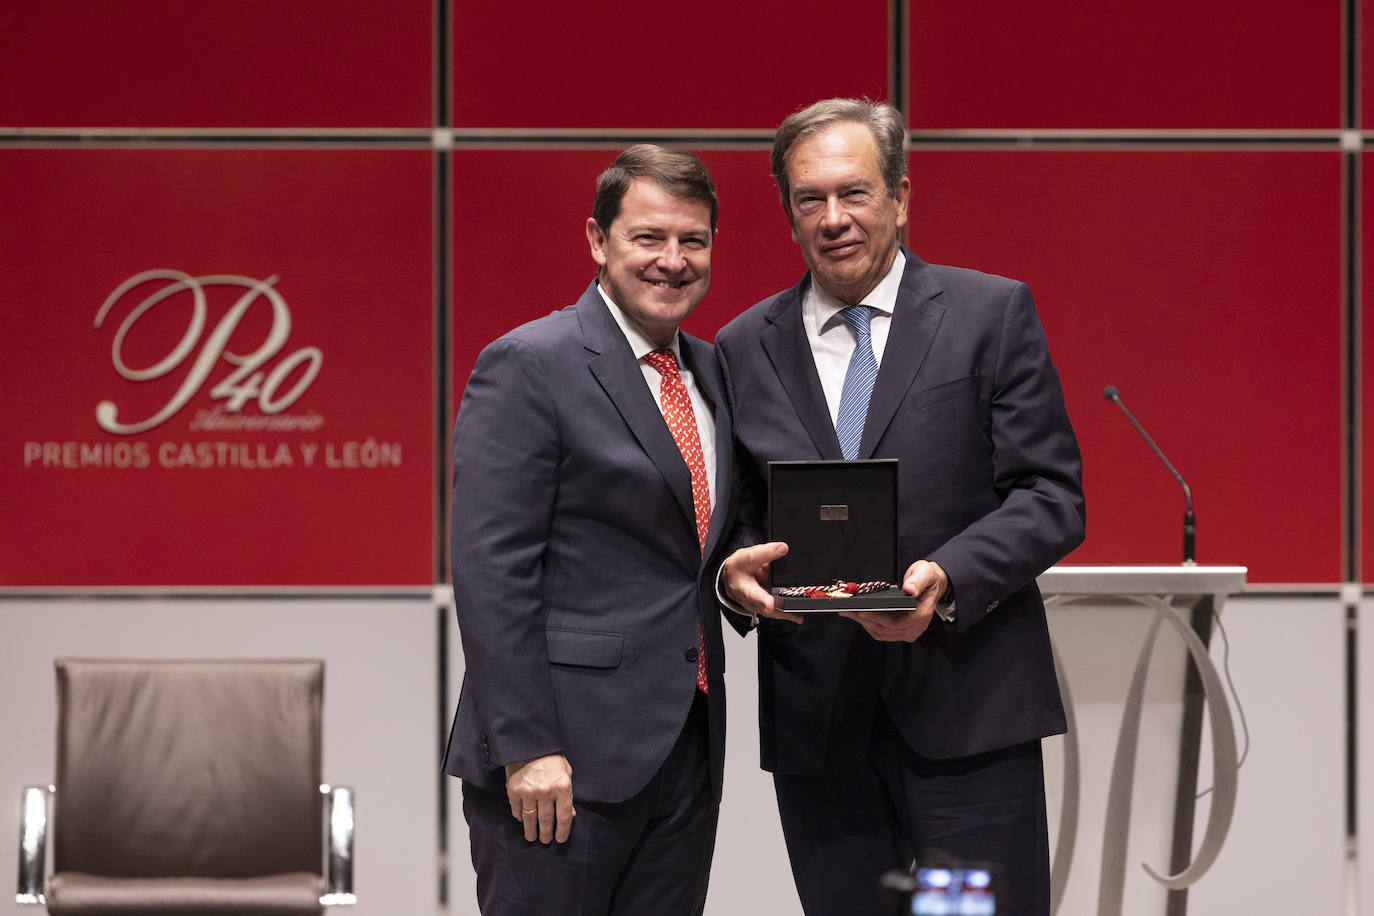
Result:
x=916 y=733
x=593 y=482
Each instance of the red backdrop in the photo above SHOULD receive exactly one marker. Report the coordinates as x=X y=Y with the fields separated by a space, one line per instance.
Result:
x=1205 y=282
x=1131 y=64
x=240 y=64
x=1206 y=287
x=315 y=467
x=718 y=65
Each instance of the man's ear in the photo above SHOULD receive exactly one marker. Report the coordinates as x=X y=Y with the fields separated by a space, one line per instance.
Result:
x=597 y=240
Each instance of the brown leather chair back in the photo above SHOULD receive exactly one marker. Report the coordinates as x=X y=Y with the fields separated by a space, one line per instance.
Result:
x=188 y=768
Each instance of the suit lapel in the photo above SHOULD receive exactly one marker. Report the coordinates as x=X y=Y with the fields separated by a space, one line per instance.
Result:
x=613 y=364
x=701 y=361
x=915 y=320
x=784 y=340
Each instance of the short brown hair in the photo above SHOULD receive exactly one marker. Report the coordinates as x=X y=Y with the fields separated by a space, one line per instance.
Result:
x=886 y=123
x=676 y=171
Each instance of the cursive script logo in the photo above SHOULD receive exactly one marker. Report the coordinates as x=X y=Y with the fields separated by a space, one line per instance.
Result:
x=249 y=381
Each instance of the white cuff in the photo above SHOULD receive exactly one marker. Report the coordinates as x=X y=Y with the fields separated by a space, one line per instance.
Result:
x=731 y=606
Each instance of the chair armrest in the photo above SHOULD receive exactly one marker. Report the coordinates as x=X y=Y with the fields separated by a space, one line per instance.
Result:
x=35 y=810
x=338 y=871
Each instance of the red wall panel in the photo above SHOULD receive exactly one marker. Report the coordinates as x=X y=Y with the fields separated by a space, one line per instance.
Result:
x=1206 y=286
x=1365 y=49
x=720 y=64
x=1366 y=351
x=314 y=466
x=1073 y=64
x=241 y=64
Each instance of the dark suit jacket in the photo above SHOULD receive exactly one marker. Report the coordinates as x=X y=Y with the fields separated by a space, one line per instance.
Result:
x=990 y=484
x=577 y=575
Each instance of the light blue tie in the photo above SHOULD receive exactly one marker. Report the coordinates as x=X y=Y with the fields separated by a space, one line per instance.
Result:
x=858 y=381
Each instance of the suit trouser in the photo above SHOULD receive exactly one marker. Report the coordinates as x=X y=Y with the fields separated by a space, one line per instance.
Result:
x=650 y=854
x=844 y=830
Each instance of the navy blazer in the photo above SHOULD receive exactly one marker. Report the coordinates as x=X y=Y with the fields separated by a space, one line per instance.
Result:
x=990 y=484
x=578 y=579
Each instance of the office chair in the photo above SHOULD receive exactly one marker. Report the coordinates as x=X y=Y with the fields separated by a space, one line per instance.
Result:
x=187 y=788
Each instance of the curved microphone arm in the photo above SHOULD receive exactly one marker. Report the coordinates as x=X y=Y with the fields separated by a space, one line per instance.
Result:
x=1189 y=527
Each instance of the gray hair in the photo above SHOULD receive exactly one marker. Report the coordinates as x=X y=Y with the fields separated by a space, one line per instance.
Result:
x=886 y=123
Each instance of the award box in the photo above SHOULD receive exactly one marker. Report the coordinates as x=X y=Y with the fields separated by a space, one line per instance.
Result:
x=839 y=520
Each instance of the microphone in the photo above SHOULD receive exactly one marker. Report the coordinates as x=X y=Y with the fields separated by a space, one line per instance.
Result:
x=1113 y=395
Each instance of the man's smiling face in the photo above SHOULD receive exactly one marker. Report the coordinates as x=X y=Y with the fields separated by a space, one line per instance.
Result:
x=655 y=257
x=842 y=215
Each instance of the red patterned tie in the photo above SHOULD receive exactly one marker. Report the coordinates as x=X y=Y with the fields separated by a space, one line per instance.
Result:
x=676 y=405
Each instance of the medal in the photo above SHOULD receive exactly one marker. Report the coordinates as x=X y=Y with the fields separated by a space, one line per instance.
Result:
x=838 y=589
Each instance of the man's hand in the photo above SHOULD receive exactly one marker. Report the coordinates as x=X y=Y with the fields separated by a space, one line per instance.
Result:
x=744 y=574
x=924 y=579
x=540 y=795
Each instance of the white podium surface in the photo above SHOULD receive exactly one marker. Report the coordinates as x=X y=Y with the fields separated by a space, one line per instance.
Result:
x=1131 y=649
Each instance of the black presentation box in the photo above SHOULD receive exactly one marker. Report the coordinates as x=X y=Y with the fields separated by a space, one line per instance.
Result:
x=839 y=519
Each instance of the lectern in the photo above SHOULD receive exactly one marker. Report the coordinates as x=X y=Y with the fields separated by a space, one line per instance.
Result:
x=1131 y=648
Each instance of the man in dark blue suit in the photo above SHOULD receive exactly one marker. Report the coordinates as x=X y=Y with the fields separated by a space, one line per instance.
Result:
x=917 y=733
x=593 y=483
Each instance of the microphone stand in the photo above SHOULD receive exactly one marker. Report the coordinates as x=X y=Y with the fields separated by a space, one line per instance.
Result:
x=1189 y=527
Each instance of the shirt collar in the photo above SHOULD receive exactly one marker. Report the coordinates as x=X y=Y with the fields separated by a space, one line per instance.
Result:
x=639 y=344
x=825 y=308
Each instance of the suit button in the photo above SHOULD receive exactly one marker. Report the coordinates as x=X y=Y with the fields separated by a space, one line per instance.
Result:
x=690 y=654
